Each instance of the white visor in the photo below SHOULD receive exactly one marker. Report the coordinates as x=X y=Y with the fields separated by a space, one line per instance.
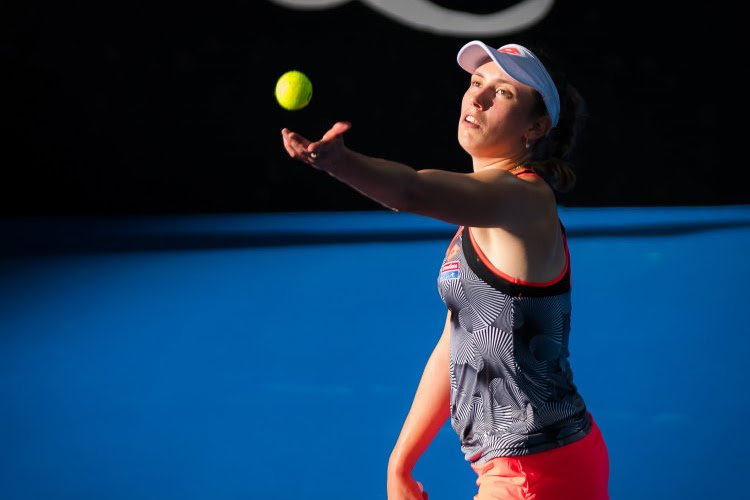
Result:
x=520 y=64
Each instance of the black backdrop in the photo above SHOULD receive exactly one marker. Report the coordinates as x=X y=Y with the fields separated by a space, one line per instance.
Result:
x=133 y=108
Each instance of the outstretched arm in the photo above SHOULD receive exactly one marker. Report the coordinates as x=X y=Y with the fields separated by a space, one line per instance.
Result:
x=488 y=198
x=429 y=411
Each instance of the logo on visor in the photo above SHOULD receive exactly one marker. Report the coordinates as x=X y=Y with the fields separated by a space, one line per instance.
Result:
x=510 y=50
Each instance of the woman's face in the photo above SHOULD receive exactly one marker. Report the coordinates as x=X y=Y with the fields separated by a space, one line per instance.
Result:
x=495 y=114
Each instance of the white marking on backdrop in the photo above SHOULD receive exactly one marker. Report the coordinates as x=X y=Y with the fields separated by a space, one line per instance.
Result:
x=427 y=16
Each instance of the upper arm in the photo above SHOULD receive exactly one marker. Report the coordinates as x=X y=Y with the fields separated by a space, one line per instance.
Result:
x=441 y=353
x=443 y=344
x=447 y=328
x=489 y=198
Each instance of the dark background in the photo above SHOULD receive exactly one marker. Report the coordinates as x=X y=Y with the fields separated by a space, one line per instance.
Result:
x=144 y=108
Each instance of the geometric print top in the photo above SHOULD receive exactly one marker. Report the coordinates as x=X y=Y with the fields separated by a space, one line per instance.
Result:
x=512 y=390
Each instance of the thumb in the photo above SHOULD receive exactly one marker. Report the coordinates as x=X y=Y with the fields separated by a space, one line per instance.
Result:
x=339 y=128
x=421 y=490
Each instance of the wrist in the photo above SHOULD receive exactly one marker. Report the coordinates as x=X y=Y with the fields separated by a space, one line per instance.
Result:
x=337 y=162
x=399 y=464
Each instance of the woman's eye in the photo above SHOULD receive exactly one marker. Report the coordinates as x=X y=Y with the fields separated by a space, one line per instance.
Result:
x=474 y=83
x=503 y=93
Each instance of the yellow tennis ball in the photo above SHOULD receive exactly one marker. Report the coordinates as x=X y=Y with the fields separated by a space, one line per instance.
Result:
x=293 y=90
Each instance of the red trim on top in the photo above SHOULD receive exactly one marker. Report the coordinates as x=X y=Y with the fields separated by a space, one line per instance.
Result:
x=527 y=171
x=517 y=281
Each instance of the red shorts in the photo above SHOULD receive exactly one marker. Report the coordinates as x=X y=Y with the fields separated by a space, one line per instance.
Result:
x=576 y=471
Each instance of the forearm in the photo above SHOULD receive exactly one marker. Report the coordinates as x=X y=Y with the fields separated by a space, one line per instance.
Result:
x=485 y=198
x=387 y=182
x=429 y=411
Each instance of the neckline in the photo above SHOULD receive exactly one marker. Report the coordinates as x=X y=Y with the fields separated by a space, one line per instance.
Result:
x=512 y=279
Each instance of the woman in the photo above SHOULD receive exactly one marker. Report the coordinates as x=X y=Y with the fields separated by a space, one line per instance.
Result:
x=500 y=370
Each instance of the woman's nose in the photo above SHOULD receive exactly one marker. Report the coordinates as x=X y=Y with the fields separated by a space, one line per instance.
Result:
x=482 y=98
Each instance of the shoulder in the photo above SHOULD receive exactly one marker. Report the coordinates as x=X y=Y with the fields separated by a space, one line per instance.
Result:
x=486 y=198
x=526 y=196
x=527 y=178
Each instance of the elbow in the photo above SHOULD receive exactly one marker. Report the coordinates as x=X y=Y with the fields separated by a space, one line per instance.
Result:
x=410 y=198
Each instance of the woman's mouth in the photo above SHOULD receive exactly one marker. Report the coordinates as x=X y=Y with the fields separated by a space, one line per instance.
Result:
x=471 y=121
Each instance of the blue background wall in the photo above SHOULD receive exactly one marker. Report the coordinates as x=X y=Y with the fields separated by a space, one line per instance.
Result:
x=140 y=362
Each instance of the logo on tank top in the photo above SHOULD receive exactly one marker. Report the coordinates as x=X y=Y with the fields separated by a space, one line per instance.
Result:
x=449 y=271
x=452 y=251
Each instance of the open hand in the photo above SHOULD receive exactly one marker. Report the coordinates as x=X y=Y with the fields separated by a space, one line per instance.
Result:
x=405 y=488
x=322 y=154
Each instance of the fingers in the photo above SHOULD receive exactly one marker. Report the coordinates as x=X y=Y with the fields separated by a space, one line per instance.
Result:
x=405 y=488
x=294 y=141
x=296 y=145
x=330 y=139
x=422 y=491
x=302 y=149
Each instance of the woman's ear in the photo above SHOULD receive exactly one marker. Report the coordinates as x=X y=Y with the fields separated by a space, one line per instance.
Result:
x=539 y=128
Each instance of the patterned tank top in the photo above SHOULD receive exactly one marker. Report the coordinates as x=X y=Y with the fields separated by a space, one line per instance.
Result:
x=512 y=390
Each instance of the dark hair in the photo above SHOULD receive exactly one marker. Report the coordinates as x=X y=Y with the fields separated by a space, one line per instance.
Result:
x=550 y=155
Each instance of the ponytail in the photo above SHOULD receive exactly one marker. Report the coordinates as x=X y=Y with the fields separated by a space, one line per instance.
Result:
x=550 y=154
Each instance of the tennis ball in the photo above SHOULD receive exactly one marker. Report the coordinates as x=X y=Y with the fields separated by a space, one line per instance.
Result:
x=293 y=90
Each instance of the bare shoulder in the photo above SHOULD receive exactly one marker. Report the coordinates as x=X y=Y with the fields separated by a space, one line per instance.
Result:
x=527 y=244
x=487 y=198
x=528 y=201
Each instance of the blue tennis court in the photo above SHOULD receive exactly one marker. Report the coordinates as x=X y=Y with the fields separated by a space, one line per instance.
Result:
x=274 y=356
